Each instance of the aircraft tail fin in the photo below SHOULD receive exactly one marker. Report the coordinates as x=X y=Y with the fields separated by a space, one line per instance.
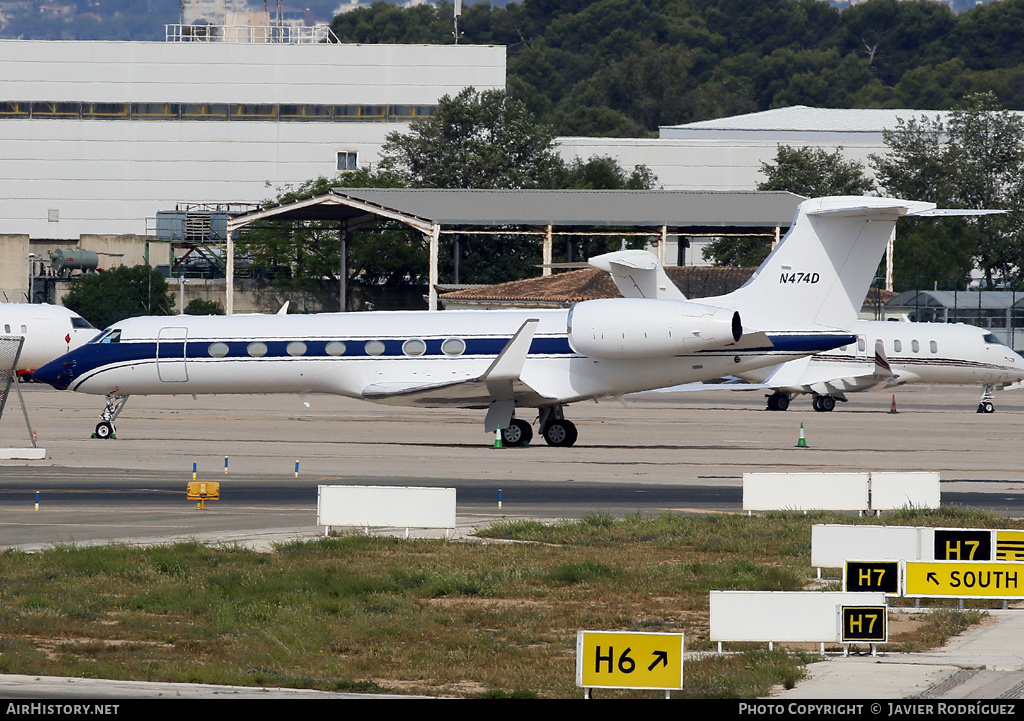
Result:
x=821 y=271
x=638 y=274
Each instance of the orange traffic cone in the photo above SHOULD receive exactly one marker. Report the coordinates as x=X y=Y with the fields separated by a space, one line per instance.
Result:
x=893 y=410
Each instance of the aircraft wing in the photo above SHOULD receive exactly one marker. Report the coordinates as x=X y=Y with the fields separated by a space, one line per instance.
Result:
x=470 y=393
x=499 y=389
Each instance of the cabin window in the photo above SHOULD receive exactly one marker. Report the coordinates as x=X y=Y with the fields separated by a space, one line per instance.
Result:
x=897 y=346
x=453 y=346
x=257 y=349
x=374 y=347
x=861 y=343
x=296 y=347
x=24 y=329
x=915 y=346
x=335 y=348
x=7 y=327
x=218 y=350
x=414 y=347
x=933 y=346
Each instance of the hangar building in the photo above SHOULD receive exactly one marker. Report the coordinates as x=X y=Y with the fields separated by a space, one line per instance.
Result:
x=99 y=136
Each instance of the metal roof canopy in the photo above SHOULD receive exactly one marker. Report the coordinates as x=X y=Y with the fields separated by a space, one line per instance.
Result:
x=571 y=212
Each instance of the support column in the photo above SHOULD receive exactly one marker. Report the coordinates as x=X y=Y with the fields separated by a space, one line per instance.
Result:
x=435 y=236
x=343 y=277
x=663 y=246
x=546 y=259
x=229 y=277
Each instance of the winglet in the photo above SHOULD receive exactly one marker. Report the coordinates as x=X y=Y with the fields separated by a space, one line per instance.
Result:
x=882 y=367
x=284 y=308
x=509 y=363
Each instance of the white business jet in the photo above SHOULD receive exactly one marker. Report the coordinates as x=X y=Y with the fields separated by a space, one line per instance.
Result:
x=49 y=331
x=801 y=301
x=889 y=354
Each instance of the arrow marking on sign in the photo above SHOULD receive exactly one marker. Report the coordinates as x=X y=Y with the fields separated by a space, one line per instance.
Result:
x=660 y=657
x=933 y=578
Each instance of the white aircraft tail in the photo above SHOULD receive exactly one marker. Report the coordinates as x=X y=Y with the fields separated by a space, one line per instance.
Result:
x=638 y=274
x=820 y=273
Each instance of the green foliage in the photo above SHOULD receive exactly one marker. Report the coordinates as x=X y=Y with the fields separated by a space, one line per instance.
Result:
x=199 y=306
x=474 y=140
x=813 y=173
x=625 y=67
x=810 y=172
x=976 y=160
x=119 y=293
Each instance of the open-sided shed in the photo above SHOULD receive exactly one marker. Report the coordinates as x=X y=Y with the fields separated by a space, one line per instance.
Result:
x=542 y=213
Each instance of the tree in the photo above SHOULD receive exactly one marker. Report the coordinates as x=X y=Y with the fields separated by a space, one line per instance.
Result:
x=813 y=173
x=810 y=172
x=474 y=140
x=975 y=161
x=123 y=292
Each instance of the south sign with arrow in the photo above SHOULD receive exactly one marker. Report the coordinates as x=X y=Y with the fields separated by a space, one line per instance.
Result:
x=964 y=579
x=623 y=659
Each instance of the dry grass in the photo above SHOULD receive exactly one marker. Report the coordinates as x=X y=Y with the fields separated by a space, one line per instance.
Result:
x=428 y=617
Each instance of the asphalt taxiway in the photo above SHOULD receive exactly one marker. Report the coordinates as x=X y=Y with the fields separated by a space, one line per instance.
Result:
x=683 y=452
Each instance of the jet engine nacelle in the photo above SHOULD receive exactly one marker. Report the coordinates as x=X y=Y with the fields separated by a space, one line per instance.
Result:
x=635 y=328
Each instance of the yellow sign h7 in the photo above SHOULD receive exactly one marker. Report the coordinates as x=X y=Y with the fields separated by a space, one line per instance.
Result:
x=623 y=659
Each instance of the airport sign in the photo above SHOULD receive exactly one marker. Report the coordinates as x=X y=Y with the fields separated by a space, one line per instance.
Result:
x=881 y=576
x=969 y=579
x=864 y=624
x=962 y=544
x=622 y=659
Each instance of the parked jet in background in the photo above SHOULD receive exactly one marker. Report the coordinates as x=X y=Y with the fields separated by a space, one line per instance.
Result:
x=50 y=331
x=802 y=300
x=888 y=354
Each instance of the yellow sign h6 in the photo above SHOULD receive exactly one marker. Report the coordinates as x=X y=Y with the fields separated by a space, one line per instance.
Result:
x=622 y=659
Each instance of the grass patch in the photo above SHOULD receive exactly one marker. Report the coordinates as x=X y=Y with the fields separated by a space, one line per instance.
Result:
x=360 y=613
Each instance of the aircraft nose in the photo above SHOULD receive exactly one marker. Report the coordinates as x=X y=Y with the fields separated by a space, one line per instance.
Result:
x=58 y=373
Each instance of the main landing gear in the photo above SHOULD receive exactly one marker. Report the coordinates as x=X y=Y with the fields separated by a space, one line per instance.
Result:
x=554 y=429
x=557 y=431
x=824 y=404
x=778 y=401
x=105 y=428
x=985 y=405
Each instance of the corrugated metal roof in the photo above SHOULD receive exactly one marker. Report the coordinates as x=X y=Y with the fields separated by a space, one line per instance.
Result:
x=573 y=208
x=802 y=117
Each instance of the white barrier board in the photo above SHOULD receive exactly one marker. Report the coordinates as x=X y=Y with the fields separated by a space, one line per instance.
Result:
x=805 y=491
x=386 y=506
x=891 y=490
x=834 y=544
x=782 y=616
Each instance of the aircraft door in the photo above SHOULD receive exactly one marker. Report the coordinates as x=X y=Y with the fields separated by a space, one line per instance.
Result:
x=170 y=355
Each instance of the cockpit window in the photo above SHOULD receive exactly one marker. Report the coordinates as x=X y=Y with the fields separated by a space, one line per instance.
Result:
x=80 y=322
x=111 y=335
x=993 y=338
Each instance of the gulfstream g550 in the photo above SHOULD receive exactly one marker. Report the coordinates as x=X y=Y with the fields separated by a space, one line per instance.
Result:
x=801 y=301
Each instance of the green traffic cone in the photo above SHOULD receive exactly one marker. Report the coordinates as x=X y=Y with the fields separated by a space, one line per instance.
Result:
x=497 y=439
x=802 y=442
